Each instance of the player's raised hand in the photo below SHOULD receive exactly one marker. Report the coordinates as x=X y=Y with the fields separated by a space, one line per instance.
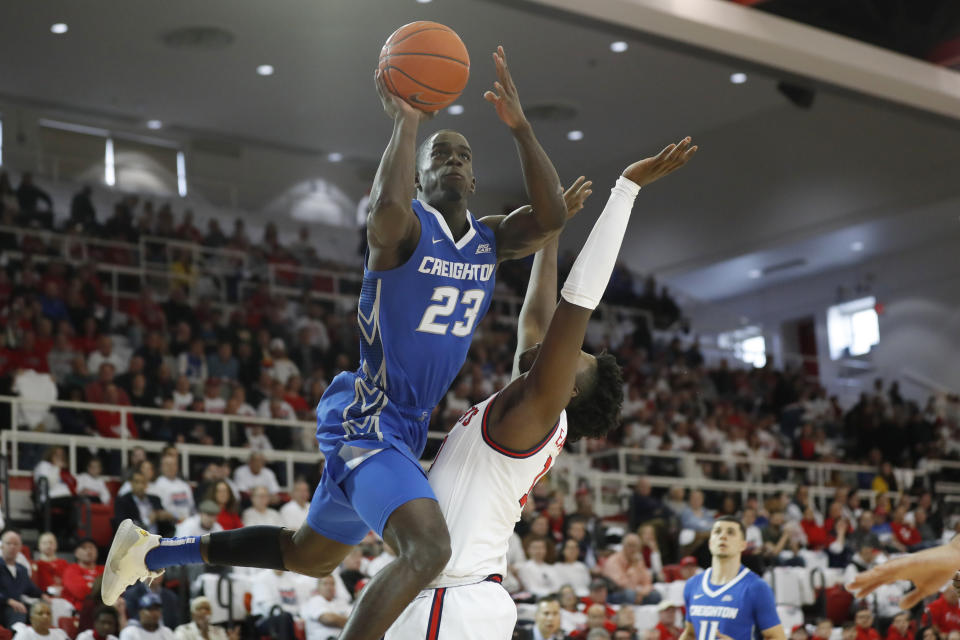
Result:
x=576 y=194
x=504 y=97
x=667 y=161
x=394 y=105
x=928 y=570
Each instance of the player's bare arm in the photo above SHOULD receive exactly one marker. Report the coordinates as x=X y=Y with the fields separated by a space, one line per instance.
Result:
x=774 y=633
x=525 y=230
x=392 y=227
x=928 y=570
x=532 y=403
x=541 y=297
x=689 y=633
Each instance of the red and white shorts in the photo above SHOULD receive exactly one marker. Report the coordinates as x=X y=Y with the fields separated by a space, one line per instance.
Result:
x=480 y=611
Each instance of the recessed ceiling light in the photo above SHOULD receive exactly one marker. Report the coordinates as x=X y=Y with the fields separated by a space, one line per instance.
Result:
x=574 y=135
x=424 y=1
x=754 y=273
x=619 y=46
x=154 y=124
x=738 y=78
x=265 y=70
x=455 y=109
x=59 y=27
x=856 y=246
x=335 y=156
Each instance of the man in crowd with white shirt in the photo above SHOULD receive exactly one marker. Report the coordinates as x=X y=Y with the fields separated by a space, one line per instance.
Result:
x=256 y=474
x=260 y=512
x=201 y=523
x=535 y=574
x=283 y=367
x=91 y=484
x=175 y=494
x=278 y=589
x=294 y=513
x=324 y=613
x=151 y=627
x=105 y=353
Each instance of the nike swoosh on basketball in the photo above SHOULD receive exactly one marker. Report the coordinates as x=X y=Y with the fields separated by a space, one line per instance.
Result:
x=436 y=240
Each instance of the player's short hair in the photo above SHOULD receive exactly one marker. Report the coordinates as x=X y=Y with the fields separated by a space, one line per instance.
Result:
x=427 y=144
x=743 y=530
x=595 y=411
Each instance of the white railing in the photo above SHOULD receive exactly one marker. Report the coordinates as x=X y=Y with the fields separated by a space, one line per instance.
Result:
x=12 y=438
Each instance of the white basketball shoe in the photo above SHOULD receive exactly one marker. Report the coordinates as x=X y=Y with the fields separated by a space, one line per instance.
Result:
x=126 y=562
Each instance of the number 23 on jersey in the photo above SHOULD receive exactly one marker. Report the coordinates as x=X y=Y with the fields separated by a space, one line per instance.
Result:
x=447 y=299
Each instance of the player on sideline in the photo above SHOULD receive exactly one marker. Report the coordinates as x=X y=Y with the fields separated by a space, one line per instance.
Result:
x=428 y=279
x=728 y=601
x=500 y=448
x=928 y=570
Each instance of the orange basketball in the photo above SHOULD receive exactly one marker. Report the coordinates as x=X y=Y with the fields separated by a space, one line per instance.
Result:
x=426 y=64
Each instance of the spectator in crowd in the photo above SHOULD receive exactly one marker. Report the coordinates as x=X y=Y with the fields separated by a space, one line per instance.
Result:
x=900 y=627
x=15 y=582
x=667 y=621
x=625 y=619
x=106 y=353
x=60 y=358
x=824 y=629
x=596 y=619
x=305 y=354
x=645 y=508
x=145 y=466
x=695 y=516
x=570 y=571
x=83 y=215
x=282 y=366
x=944 y=613
x=111 y=424
x=106 y=625
x=61 y=488
x=222 y=365
x=294 y=513
x=906 y=537
x=29 y=196
x=41 y=624
x=627 y=570
x=275 y=590
x=151 y=627
x=571 y=615
x=260 y=513
x=223 y=496
x=202 y=522
x=144 y=509
x=48 y=567
x=91 y=484
x=324 y=613
x=865 y=628
x=256 y=474
x=200 y=628
x=546 y=623
x=78 y=578
x=175 y=494
x=535 y=574
x=192 y=364
x=848 y=631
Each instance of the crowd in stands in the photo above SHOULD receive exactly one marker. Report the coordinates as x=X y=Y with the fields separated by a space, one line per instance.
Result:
x=272 y=357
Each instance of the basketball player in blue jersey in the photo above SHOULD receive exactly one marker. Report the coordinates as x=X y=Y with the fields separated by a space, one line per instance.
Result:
x=428 y=280
x=728 y=601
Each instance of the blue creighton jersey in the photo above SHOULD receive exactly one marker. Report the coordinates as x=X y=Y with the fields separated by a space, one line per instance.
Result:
x=741 y=609
x=416 y=324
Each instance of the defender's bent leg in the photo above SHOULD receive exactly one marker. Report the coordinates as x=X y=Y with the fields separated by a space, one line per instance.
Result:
x=418 y=533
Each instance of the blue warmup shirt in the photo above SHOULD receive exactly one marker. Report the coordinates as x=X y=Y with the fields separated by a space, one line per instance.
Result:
x=416 y=324
x=741 y=609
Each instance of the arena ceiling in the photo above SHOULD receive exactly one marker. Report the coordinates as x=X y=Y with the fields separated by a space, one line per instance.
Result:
x=773 y=180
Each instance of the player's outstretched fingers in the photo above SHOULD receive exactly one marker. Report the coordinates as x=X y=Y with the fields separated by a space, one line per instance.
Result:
x=912 y=599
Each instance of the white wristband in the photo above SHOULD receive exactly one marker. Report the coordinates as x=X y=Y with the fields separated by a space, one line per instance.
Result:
x=591 y=271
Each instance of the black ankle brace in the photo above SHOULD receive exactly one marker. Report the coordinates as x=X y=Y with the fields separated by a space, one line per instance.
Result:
x=257 y=547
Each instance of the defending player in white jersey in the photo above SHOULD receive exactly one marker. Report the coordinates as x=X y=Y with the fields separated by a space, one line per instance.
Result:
x=501 y=447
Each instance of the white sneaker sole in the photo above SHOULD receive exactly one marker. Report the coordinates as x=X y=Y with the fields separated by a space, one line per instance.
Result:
x=114 y=581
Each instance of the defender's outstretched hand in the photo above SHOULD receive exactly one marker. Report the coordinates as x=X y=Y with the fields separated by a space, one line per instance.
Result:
x=928 y=570
x=394 y=105
x=576 y=195
x=667 y=161
x=505 y=98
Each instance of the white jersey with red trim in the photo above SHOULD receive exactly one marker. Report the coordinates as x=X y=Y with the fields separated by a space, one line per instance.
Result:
x=482 y=487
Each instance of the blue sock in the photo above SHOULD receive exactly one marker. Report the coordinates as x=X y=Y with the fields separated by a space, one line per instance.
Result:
x=174 y=552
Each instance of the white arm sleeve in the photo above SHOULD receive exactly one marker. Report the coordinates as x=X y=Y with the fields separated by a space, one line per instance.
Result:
x=592 y=269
